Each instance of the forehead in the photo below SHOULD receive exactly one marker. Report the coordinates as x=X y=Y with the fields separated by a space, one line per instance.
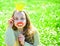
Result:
x=19 y=14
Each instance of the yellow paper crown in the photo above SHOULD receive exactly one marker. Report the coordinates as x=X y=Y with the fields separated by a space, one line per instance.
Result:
x=20 y=7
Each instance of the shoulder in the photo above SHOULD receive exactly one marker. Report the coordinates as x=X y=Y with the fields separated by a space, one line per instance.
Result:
x=9 y=30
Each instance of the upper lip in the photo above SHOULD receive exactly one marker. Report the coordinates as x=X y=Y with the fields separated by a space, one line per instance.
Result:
x=19 y=23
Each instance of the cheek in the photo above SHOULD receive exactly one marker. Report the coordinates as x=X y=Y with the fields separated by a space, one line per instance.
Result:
x=24 y=23
x=15 y=22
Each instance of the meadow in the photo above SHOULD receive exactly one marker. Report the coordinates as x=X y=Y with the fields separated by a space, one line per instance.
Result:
x=44 y=15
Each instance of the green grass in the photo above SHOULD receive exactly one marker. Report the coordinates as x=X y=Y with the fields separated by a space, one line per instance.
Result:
x=44 y=14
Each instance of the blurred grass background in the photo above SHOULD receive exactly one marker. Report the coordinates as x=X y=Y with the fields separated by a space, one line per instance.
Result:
x=44 y=14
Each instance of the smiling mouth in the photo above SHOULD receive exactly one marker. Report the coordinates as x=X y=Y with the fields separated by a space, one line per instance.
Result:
x=19 y=24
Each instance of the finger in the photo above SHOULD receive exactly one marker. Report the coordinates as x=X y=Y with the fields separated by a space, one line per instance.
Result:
x=21 y=39
x=21 y=36
x=11 y=20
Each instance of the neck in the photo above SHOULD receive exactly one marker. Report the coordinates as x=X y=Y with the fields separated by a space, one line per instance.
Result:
x=20 y=29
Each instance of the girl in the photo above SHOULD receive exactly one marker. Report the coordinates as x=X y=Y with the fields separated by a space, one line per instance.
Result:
x=20 y=32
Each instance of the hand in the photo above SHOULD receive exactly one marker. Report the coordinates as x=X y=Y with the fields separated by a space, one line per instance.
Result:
x=10 y=22
x=21 y=39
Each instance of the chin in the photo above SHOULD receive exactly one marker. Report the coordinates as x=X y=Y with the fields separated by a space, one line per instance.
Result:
x=19 y=27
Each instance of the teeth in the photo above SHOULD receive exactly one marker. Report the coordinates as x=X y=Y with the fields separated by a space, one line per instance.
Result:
x=19 y=24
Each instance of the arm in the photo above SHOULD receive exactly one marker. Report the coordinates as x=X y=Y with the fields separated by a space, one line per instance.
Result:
x=27 y=44
x=9 y=37
x=36 y=39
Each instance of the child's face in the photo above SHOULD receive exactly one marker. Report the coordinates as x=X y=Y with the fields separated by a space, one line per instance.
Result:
x=19 y=19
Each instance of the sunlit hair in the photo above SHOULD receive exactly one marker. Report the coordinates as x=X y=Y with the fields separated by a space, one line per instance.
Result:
x=28 y=32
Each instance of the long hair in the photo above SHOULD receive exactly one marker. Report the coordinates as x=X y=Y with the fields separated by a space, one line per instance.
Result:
x=27 y=29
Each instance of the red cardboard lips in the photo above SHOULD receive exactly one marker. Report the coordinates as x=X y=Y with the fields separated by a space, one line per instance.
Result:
x=20 y=23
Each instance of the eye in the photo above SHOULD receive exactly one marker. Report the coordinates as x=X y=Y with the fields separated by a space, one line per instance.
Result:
x=22 y=18
x=15 y=18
